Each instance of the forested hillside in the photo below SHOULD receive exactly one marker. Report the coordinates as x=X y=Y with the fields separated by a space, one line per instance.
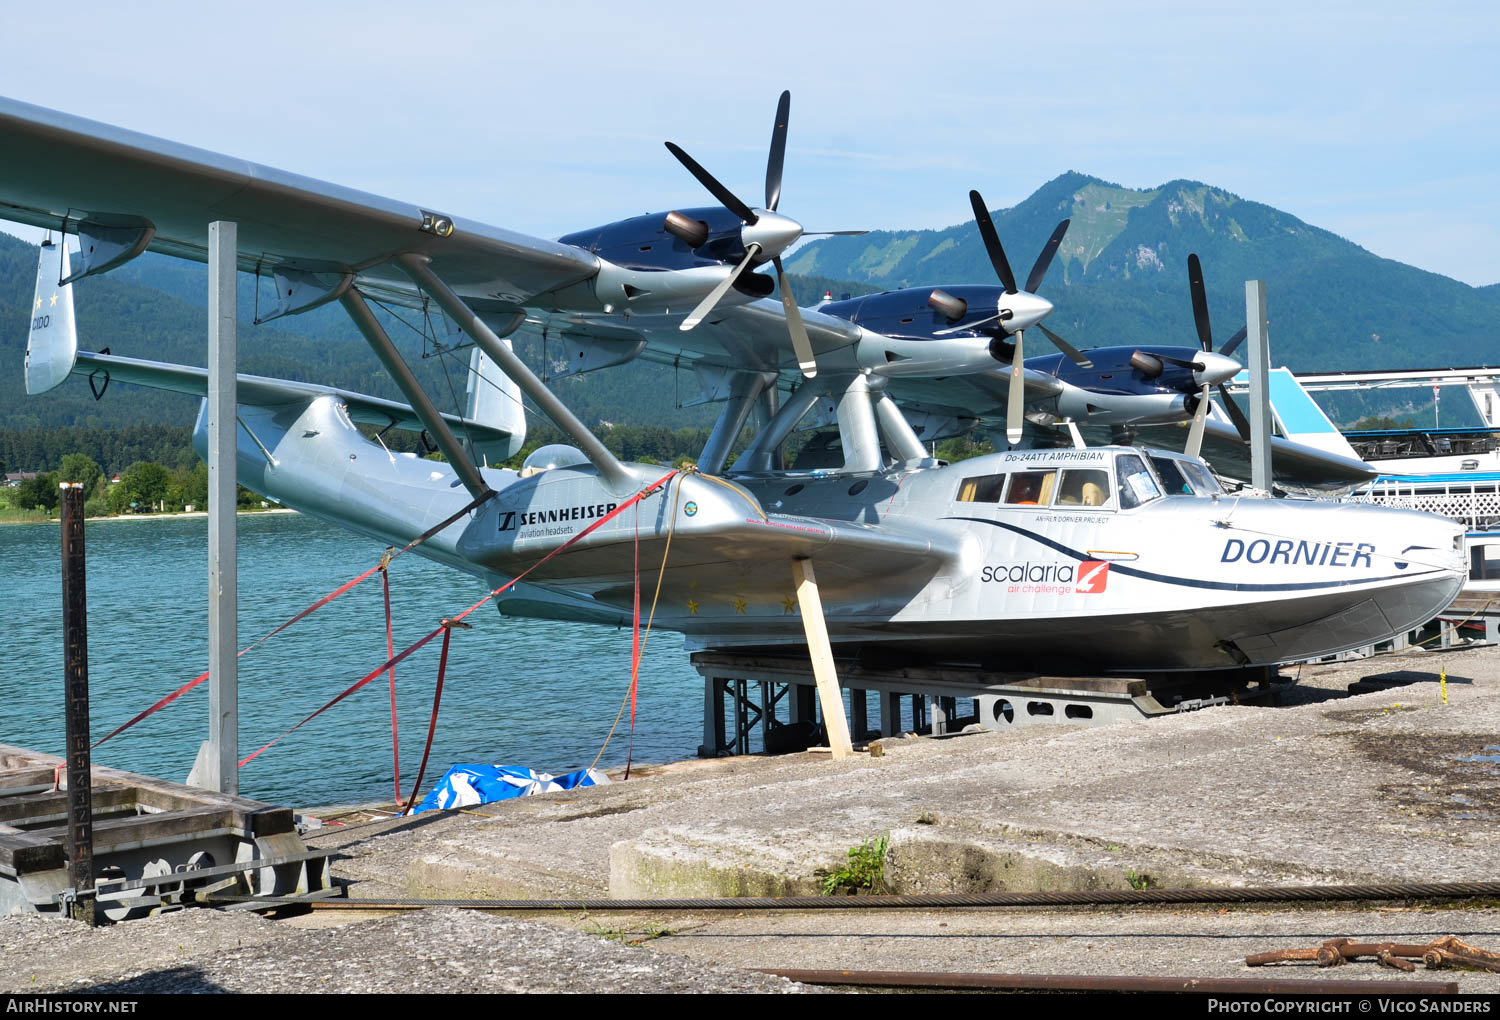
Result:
x=1121 y=276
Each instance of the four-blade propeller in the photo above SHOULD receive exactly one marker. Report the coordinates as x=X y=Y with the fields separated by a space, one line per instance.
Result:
x=1018 y=310
x=1206 y=341
x=765 y=235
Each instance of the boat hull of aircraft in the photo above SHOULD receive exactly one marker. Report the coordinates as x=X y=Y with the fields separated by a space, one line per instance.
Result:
x=909 y=567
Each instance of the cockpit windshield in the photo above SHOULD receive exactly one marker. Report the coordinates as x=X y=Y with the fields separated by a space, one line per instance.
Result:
x=1184 y=477
x=1172 y=479
x=1204 y=483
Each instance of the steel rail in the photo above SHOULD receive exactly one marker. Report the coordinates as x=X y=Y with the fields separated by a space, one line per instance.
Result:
x=1403 y=891
x=979 y=981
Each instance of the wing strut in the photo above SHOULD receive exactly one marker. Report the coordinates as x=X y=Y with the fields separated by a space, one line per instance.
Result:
x=390 y=357
x=819 y=647
x=615 y=475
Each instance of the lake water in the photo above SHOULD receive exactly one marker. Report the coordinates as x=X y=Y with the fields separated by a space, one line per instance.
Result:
x=523 y=692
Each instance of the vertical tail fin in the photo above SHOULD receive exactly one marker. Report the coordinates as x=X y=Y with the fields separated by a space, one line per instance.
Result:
x=1301 y=419
x=495 y=400
x=52 y=346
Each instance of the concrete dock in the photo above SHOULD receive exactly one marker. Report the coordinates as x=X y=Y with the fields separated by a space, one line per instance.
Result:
x=1392 y=785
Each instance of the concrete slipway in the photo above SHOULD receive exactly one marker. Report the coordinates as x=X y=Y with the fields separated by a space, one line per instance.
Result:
x=1388 y=786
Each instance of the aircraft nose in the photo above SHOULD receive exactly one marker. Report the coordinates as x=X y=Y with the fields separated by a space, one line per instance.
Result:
x=1026 y=310
x=1210 y=369
x=774 y=233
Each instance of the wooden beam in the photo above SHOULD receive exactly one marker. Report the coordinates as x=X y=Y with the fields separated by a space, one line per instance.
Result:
x=821 y=652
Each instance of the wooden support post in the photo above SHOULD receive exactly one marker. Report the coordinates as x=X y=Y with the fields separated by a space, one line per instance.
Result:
x=821 y=652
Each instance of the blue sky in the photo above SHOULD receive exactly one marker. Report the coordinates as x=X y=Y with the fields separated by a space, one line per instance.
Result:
x=1375 y=120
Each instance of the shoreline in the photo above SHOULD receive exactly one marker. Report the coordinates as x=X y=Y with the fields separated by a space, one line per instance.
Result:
x=158 y=517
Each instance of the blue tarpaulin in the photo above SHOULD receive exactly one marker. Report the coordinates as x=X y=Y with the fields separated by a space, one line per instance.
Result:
x=465 y=785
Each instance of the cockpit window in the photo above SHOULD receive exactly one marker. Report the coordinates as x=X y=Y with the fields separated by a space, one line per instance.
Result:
x=1204 y=483
x=1136 y=484
x=1174 y=480
x=1083 y=488
x=1031 y=488
x=981 y=489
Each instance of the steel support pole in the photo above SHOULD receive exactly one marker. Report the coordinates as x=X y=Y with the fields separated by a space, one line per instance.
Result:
x=1258 y=348
x=857 y=432
x=900 y=439
x=396 y=367
x=744 y=392
x=615 y=475
x=221 y=763
x=79 y=840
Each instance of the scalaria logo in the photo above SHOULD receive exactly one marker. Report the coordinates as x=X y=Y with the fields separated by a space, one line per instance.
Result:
x=1087 y=578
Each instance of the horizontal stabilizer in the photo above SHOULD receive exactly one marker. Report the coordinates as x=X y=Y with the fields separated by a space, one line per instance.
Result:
x=52 y=346
x=263 y=392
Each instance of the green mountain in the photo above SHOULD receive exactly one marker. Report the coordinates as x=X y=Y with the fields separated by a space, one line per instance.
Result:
x=1120 y=276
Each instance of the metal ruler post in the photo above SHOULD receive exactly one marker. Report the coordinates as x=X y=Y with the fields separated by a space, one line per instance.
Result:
x=80 y=833
x=1259 y=356
x=221 y=763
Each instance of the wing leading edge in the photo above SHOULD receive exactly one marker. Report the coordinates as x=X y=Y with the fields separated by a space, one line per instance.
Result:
x=57 y=170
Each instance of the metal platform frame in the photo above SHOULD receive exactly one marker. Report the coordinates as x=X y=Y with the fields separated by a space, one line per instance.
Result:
x=155 y=843
x=744 y=696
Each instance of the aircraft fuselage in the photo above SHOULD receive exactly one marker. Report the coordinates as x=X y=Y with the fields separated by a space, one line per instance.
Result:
x=1086 y=572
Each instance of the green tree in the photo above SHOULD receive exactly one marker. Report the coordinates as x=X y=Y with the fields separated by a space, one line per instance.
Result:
x=39 y=493
x=80 y=467
x=142 y=485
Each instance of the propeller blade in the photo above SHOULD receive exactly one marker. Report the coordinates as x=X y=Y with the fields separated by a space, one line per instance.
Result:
x=1073 y=353
x=968 y=325
x=1200 y=303
x=707 y=304
x=1195 y=434
x=1044 y=260
x=1016 y=398
x=778 y=152
x=992 y=242
x=1180 y=362
x=801 y=344
x=1235 y=414
x=833 y=233
x=726 y=197
x=1234 y=341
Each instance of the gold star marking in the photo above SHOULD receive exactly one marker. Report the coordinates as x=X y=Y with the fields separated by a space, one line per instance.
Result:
x=692 y=607
x=38 y=303
x=788 y=605
x=54 y=302
x=738 y=603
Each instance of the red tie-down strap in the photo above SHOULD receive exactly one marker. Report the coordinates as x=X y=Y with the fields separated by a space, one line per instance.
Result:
x=304 y=614
x=448 y=623
x=390 y=653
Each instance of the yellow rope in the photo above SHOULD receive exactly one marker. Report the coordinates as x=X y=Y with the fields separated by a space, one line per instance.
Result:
x=660 y=574
x=1450 y=630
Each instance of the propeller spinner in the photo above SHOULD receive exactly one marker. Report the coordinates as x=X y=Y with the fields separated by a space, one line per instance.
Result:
x=765 y=235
